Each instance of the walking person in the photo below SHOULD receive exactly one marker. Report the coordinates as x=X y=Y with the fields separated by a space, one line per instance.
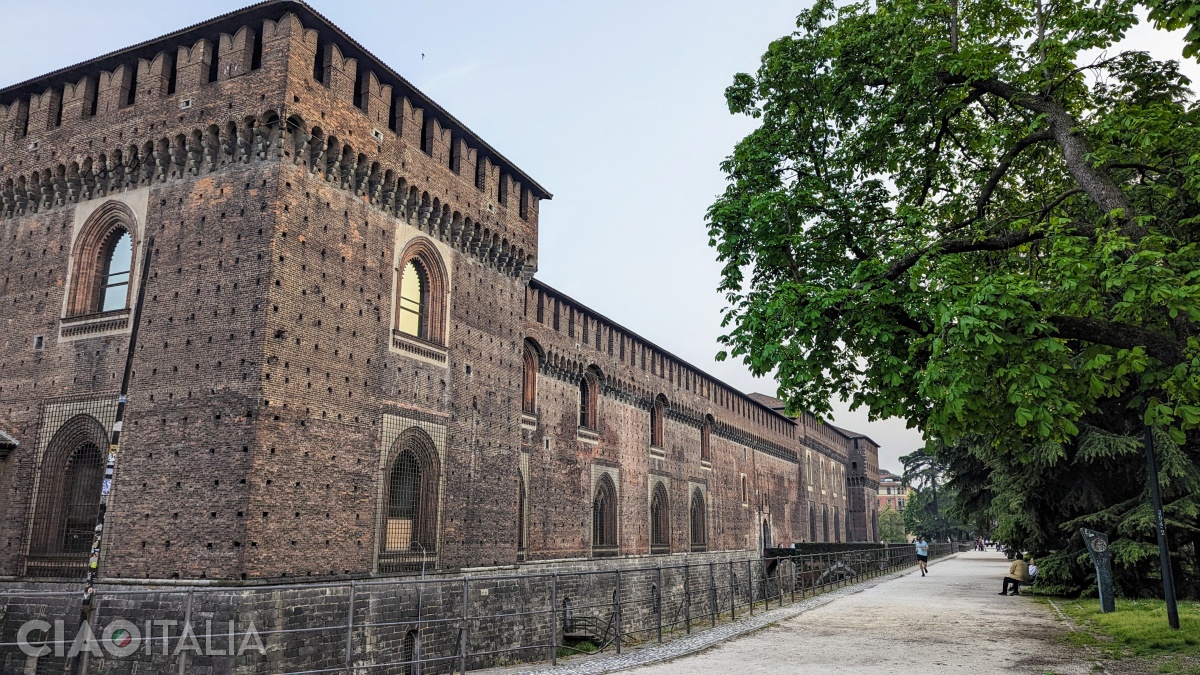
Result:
x=922 y=555
x=1018 y=573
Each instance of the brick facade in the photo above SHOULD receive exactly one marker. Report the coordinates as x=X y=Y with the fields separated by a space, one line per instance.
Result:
x=279 y=178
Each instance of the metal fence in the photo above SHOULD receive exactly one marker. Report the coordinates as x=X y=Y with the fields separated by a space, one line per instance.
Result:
x=418 y=625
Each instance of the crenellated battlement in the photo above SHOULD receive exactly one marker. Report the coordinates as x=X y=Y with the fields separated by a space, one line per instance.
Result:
x=181 y=77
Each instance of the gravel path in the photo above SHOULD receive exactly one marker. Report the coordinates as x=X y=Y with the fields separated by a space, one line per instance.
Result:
x=951 y=620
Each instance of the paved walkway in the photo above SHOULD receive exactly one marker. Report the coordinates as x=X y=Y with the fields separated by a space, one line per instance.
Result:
x=951 y=620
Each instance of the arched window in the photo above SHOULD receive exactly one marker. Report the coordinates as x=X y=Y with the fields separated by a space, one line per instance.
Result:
x=656 y=421
x=68 y=498
x=421 y=293
x=699 y=528
x=411 y=654
x=102 y=262
x=706 y=439
x=660 y=521
x=766 y=534
x=410 y=504
x=745 y=491
x=604 y=518
x=589 y=394
x=529 y=380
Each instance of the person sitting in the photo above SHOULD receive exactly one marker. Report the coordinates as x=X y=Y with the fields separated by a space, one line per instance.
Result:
x=1018 y=573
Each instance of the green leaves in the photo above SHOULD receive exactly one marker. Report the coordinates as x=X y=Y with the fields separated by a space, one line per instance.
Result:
x=958 y=220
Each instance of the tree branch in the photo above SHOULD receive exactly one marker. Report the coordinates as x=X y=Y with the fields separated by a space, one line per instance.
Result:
x=1006 y=161
x=1120 y=335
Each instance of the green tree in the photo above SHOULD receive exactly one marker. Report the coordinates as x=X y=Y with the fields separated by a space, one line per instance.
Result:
x=891 y=526
x=954 y=213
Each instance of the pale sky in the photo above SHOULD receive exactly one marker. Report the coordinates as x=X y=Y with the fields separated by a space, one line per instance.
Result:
x=617 y=108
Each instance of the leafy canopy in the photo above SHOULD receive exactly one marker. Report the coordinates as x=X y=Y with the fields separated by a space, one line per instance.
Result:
x=979 y=216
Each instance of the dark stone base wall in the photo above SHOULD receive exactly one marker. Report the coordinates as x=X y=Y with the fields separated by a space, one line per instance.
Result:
x=304 y=627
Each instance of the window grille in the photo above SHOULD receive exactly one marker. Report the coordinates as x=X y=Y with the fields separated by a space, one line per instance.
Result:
x=521 y=516
x=69 y=482
x=699 y=530
x=410 y=504
x=660 y=521
x=413 y=299
x=604 y=519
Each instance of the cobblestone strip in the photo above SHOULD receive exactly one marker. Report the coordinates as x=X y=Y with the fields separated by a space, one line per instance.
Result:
x=697 y=641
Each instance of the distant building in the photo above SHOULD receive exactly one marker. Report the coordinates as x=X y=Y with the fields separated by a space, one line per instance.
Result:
x=893 y=493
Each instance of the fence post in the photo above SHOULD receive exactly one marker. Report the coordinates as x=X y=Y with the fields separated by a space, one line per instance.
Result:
x=732 y=593
x=554 y=619
x=750 y=584
x=657 y=600
x=687 y=598
x=712 y=591
x=350 y=628
x=792 y=560
x=618 y=609
x=462 y=653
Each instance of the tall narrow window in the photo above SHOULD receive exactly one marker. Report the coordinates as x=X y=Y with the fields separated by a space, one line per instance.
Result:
x=589 y=393
x=102 y=261
x=529 y=380
x=116 y=274
x=745 y=491
x=825 y=522
x=837 y=525
x=812 y=523
x=656 y=421
x=520 y=515
x=706 y=439
x=604 y=518
x=421 y=296
x=68 y=498
x=660 y=521
x=410 y=503
x=698 y=517
x=480 y=172
x=413 y=294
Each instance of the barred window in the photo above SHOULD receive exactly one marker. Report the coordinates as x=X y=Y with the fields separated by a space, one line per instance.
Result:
x=604 y=518
x=68 y=498
x=521 y=514
x=660 y=521
x=410 y=501
x=699 y=527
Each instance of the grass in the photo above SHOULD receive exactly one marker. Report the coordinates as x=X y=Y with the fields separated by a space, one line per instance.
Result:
x=1137 y=629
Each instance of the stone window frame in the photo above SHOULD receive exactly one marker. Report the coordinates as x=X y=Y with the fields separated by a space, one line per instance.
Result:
x=90 y=256
x=658 y=410
x=49 y=528
x=434 y=295
x=706 y=440
x=425 y=528
x=698 y=520
x=605 y=525
x=530 y=360
x=660 y=517
x=589 y=399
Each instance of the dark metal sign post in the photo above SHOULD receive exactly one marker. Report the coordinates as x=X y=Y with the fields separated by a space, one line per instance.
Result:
x=1097 y=546
x=1164 y=554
